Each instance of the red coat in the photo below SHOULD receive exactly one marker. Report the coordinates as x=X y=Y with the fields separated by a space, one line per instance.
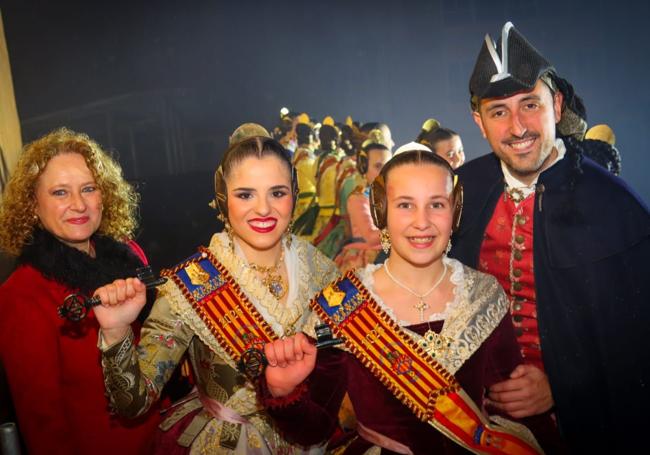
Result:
x=55 y=375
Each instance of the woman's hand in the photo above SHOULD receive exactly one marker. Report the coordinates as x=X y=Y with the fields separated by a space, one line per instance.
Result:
x=122 y=301
x=291 y=360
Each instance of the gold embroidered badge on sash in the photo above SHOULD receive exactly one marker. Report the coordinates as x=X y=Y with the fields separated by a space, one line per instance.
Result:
x=197 y=275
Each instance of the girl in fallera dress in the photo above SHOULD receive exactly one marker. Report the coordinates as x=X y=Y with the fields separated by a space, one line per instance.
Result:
x=418 y=315
x=251 y=284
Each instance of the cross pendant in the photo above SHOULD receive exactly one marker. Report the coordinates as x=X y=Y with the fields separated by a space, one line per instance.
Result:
x=421 y=306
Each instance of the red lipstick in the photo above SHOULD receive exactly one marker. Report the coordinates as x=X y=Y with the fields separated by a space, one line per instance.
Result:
x=263 y=225
x=80 y=220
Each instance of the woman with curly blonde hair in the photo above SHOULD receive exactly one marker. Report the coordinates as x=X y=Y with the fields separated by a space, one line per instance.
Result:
x=69 y=216
x=17 y=216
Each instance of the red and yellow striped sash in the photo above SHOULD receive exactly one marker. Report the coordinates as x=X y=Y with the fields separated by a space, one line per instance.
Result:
x=414 y=377
x=220 y=303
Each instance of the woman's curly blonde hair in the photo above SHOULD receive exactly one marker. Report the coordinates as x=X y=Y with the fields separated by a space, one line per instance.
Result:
x=17 y=209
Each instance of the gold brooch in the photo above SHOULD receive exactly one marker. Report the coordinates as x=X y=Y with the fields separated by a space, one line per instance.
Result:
x=434 y=344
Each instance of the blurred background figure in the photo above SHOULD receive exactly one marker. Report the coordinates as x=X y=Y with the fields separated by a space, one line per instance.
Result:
x=364 y=244
x=304 y=160
x=332 y=236
x=348 y=177
x=312 y=221
x=599 y=146
x=69 y=217
x=444 y=142
x=285 y=132
x=347 y=130
x=385 y=130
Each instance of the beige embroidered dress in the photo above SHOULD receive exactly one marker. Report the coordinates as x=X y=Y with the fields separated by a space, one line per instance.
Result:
x=231 y=421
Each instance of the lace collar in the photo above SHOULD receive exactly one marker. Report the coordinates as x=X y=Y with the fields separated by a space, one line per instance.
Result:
x=478 y=307
x=366 y=275
x=283 y=318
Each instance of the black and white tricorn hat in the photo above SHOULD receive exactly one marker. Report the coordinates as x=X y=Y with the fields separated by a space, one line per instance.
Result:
x=506 y=67
x=513 y=65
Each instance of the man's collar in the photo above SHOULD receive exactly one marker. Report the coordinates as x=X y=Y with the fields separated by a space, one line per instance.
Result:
x=513 y=182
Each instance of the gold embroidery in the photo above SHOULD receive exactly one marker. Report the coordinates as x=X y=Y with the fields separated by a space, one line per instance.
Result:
x=197 y=275
x=249 y=282
x=229 y=435
x=373 y=336
x=120 y=380
x=434 y=344
x=333 y=295
x=314 y=272
x=254 y=441
x=183 y=309
x=208 y=287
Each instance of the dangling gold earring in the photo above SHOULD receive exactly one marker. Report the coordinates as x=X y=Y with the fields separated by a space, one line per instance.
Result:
x=231 y=236
x=384 y=238
x=228 y=230
x=288 y=237
x=448 y=249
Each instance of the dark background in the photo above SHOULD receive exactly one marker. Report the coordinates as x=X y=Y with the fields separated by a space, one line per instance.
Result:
x=162 y=84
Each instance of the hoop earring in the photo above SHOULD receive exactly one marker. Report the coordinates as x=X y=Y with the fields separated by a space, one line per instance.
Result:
x=448 y=249
x=384 y=238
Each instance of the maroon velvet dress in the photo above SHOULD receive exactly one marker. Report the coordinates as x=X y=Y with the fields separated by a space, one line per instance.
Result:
x=309 y=415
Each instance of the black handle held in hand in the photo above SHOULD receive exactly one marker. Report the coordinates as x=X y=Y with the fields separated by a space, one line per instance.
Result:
x=75 y=306
x=253 y=361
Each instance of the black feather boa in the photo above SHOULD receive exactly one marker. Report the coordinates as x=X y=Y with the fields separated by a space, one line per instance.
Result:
x=75 y=269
